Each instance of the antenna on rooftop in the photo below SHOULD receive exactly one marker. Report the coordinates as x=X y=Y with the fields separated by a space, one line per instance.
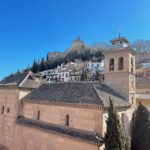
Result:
x=119 y=31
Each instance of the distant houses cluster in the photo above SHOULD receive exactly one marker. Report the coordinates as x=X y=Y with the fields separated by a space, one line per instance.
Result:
x=73 y=71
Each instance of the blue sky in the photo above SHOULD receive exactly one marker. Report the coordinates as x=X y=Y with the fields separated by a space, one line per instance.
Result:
x=31 y=28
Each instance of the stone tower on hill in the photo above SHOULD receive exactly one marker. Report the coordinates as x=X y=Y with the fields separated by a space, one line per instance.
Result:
x=120 y=69
x=77 y=44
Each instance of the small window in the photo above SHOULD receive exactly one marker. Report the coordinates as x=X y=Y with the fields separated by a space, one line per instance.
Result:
x=2 y=109
x=123 y=119
x=132 y=65
x=67 y=120
x=132 y=84
x=131 y=61
x=38 y=115
x=132 y=99
x=8 y=110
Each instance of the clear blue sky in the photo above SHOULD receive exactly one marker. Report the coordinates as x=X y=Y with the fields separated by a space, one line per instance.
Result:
x=31 y=28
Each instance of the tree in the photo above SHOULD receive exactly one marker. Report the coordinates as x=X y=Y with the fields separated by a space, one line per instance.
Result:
x=115 y=138
x=42 y=65
x=141 y=129
x=35 y=67
x=47 y=58
x=97 y=76
x=84 y=75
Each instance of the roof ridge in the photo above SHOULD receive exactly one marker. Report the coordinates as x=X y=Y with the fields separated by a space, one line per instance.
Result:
x=100 y=97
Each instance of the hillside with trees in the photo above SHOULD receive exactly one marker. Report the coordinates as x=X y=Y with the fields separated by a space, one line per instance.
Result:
x=80 y=51
x=77 y=51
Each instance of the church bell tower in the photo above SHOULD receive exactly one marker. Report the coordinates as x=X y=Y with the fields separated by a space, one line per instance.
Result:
x=120 y=69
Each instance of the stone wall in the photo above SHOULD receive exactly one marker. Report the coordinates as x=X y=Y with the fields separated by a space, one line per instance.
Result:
x=8 y=112
x=34 y=139
x=79 y=118
x=18 y=137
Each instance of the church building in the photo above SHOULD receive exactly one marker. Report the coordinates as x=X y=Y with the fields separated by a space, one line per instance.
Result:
x=67 y=116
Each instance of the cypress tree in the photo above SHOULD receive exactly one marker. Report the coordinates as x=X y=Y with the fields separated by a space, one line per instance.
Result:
x=42 y=65
x=47 y=58
x=115 y=138
x=141 y=129
x=97 y=76
x=84 y=76
x=34 y=67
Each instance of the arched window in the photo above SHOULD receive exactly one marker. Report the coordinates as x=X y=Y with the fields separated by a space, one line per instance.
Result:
x=120 y=63
x=38 y=115
x=2 y=109
x=67 y=120
x=111 y=64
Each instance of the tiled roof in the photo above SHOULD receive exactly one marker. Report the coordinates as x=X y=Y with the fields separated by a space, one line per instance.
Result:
x=14 y=79
x=66 y=92
x=141 y=81
x=48 y=127
x=120 y=38
x=119 y=50
x=22 y=80
x=105 y=93
x=76 y=93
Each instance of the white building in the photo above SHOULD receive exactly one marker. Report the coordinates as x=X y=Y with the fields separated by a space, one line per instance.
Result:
x=95 y=66
x=65 y=73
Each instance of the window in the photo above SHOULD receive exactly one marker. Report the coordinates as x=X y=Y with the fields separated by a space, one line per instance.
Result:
x=132 y=83
x=120 y=63
x=2 y=109
x=111 y=64
x=8 y=110
x=123 y=118
x=132 y=99
x=131 y=64
x=66 y=74
x=38 y=115
x=131 y=61
x=67 y=120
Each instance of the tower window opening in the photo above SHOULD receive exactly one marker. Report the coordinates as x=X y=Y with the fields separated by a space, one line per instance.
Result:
x=111 y=64
x=67 y=120
x=121 y=63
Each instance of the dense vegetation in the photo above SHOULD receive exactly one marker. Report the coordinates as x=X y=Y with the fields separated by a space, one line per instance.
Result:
x=47 y=63
x=141 y=129
x=115 y=138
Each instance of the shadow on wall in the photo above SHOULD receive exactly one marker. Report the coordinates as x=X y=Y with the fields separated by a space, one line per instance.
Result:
x=2 y=147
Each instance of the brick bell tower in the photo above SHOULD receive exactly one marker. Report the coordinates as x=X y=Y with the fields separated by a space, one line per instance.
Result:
x=120 y=69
